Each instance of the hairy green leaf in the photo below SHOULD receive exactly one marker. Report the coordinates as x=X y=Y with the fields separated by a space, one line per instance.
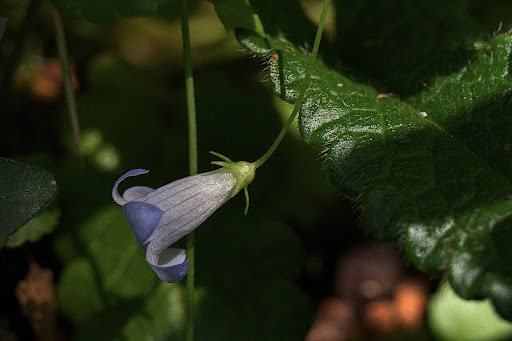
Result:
x=433 y=170
x=24 y=191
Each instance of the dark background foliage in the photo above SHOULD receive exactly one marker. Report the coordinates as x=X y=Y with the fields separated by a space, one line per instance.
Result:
x=303 y=248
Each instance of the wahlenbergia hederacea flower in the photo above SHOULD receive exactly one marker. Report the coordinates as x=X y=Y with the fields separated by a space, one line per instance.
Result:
x=160 y=217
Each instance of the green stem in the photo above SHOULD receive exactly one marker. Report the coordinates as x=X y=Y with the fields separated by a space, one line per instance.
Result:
x=191 y=240
x=303 y=90
x=14 y=58
x=68 y=85
x=190 y=92
x=192 y=158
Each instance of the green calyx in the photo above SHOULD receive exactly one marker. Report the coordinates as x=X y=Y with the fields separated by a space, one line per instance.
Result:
x=243 y=171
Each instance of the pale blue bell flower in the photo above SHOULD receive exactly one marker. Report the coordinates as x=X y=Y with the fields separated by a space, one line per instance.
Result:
x=160 y=217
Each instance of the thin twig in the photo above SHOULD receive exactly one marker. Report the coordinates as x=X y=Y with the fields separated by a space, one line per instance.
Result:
x=67 y=83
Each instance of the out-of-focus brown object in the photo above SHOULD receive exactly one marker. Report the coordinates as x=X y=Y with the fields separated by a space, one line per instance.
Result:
x=46 y=82
x=368 y=273
x=374 y=296
x=404 y=311
x=411 y=298
x=36 y=296
x=380 y=315
x=333 y=322
x=324 y=331
x=42 y=79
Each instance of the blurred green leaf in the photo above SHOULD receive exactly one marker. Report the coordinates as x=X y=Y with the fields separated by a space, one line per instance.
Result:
x=24 y=191
x=102 y=11
x=129 y=105
x=43 y=223
x=237 y=13
x=246 y=268
x=158 y=316
x=110 y=290
x=259 y=310
x=454 y=319
x=239 y=262
x=78 y=293
x=247 y=251
x=433 y=170
x=162 y=317
x=284 y=17
x=118 y=263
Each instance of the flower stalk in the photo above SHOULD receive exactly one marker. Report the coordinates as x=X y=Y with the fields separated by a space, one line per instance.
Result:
x=303 y=90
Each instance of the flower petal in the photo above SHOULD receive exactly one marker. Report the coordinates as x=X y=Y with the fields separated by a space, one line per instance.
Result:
x=172 y=265
x=115 y=192
x=187 y=203
x=136 y=192
x=143 y=218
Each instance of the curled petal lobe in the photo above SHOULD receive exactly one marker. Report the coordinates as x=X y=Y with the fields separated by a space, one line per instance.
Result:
x=143 y=218
x=118 y=198
x=172 y=265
